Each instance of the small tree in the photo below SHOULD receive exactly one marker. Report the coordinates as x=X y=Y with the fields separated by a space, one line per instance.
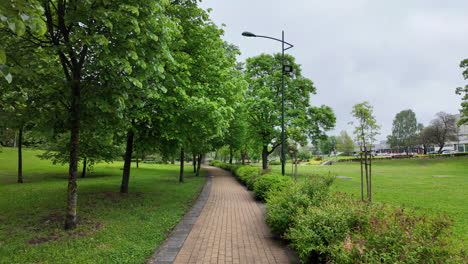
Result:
x=365 y=132
x=345 y=144
x=328 y=145
x=425 y=137
x=443 y=129
x=404 y=131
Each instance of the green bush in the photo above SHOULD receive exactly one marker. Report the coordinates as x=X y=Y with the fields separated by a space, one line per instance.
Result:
x=318 y=158
x=274 y=162
x=392 y=235
x=317 y=228
x=344 y=230
x=282 y=205
x=247 y=175
x=269 y=182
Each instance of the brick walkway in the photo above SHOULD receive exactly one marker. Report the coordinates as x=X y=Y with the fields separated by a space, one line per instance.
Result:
x=230 y=228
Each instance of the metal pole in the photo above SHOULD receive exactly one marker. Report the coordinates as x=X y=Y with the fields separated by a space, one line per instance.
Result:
x=283 y=158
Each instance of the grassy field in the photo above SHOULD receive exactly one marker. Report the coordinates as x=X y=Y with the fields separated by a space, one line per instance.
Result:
x=426 y=185
x=113 y=228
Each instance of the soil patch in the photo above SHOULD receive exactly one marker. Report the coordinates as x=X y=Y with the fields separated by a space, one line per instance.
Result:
x=56 y=219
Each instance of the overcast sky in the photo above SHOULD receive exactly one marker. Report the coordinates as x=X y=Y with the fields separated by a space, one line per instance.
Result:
x=399 y=54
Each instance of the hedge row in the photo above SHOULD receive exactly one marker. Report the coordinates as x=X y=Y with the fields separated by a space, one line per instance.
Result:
x=253 y=178
x=326 y=227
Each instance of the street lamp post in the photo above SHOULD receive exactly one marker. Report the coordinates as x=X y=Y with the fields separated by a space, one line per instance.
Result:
x=284 y=69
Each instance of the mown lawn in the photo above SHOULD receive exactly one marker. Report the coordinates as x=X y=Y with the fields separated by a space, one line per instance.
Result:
x=113 y=228
x=426 y=185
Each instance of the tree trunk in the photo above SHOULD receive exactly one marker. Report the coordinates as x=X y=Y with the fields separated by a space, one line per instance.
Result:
x=182 y=157
x=137 y=165
x=128 y=162
x=265 y=157
x=83 y=173
x=200 y=156
x=362 y=178
x=14 y=141
x=20 y=155
x=72 y=195
x=366 y=168
x=370 y=178
x=172 y=161
x=295 y=169
x=243 y=157
x=194 y=162
x=230 y=155
x=440 y=148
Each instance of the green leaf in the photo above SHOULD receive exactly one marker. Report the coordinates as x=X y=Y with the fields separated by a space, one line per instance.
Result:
x=160 y=69
x=2 y=56
x=17 y=26
x=37 y=26
x=9 y=78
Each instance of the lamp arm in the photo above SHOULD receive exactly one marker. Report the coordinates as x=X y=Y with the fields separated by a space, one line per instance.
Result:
x=290 y=45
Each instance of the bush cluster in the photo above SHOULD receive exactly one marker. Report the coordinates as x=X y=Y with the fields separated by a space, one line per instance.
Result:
x=325 y=227
x=275 y=162
x=270 y=182
x=256 y=180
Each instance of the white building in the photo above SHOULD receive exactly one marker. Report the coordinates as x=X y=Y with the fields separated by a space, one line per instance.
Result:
x=461 y=145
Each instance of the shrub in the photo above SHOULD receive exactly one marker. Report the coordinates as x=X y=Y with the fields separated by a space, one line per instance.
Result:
x=316 y=228
x=392 y=235
x=269 y=182
x=275 y=162
x=344 y=230
x=282 y=205
x=318 y=158
x=247 y=175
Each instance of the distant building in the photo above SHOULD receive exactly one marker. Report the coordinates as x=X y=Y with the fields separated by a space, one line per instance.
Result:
x=461 y=145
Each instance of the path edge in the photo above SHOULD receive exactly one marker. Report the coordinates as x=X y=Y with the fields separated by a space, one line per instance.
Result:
x=167 y=252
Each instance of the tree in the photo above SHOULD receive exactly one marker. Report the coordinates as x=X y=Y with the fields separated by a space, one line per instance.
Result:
x=366 y=129
x=426 y=137
x=304 y=155
x=464 y=92
x=328 y=146
x=263 y=103
x=442 y=129
x=404 y=131
x=345 y=144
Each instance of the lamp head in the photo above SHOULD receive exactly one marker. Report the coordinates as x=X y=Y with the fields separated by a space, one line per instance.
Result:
x=248 y=34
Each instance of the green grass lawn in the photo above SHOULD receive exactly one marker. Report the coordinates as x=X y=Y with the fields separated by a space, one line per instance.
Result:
x=426 y=185
x=113 y=228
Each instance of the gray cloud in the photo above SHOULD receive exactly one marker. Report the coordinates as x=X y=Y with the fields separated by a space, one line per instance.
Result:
x=395 y=54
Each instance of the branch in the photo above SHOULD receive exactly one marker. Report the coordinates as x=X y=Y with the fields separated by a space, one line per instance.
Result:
x=273 y=148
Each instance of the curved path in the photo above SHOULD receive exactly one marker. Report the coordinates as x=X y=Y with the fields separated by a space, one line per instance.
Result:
x=230 y=228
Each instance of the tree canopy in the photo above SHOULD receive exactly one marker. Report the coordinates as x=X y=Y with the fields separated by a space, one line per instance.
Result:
x=404 y=130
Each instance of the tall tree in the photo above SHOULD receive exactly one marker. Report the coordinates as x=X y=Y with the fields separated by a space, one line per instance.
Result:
x=344 y=143
x=404 y=131
x=443 y=129
x=263 y=103
x=366 y=129
x=463 y=91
